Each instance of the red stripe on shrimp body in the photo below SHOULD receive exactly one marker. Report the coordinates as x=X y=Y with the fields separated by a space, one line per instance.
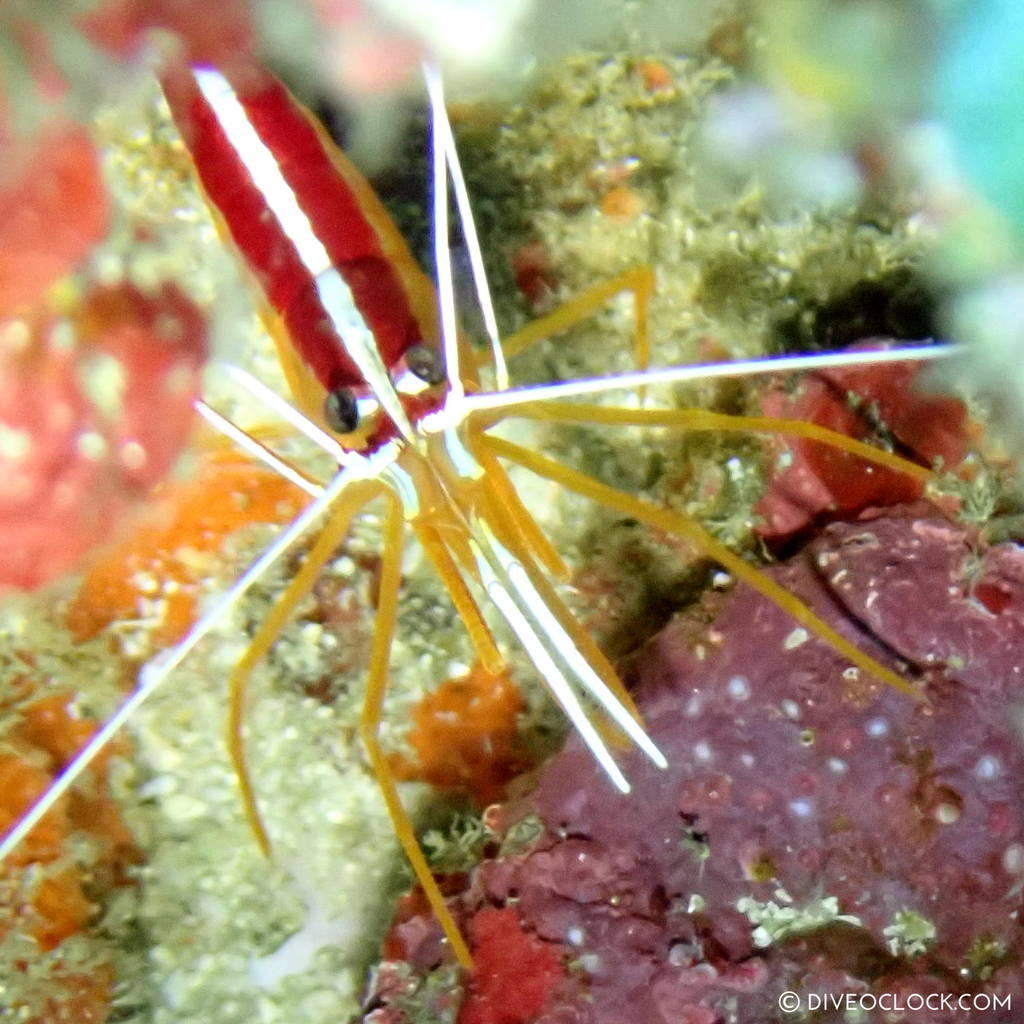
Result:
x=274 y=179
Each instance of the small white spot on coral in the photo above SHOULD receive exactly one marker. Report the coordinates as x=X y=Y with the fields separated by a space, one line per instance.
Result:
x=790 y=709
x=851 y=674
x=590 y=962
x=738 y=688
x=797 y=638
x=682 y=954
x=801 y=807
x=988 y=767
x=1013 y=859
x=837 y=766
x=296 y=954
x=14 y=444
x=62 y=336
x=747 y=760
x=909 y=933
x=311 y=633
x=133 y=455
x=15 y=336
x=146 y=583
x=178 y=381
x=947 y=814
x=183 y=807
x=702 y=750
x=693 y=706
x=345 y=567
x=877 y=728
x=91 y=445
x=574 y=936
x=104 y=381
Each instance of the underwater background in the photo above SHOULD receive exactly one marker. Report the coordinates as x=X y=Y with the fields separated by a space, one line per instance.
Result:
x=801 y=176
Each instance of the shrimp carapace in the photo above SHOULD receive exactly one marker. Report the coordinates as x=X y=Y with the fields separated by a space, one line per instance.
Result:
x=351 y=313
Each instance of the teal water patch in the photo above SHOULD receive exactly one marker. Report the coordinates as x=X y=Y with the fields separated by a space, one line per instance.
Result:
x=979 y=96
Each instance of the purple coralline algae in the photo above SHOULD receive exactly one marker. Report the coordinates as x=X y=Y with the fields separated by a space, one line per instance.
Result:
x=821 y=845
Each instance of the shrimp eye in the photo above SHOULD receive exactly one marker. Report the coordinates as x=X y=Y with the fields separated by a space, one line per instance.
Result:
x=341 y=411
x=425 y=363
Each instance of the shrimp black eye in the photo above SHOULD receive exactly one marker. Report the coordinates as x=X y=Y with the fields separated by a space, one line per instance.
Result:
x=425 y=363
x=341 y=411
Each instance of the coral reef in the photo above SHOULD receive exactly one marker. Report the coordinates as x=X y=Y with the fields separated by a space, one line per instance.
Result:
x=815 y=833
x=813 y=482
x=153 y=575
x=49 y=898
x=599 y=169
x=53 y=210
x=95 y=407
x=465 y=735
x=98 y=371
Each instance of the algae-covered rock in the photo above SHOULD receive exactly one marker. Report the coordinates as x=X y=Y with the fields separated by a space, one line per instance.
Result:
x=816 y=832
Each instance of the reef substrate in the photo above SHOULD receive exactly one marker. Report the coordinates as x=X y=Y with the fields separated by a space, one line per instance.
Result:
x=816 y=832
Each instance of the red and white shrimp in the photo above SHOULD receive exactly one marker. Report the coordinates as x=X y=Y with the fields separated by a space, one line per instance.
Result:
x=385 y=382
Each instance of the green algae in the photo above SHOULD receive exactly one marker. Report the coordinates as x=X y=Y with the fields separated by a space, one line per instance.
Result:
x=779 y=919
x=910 y=934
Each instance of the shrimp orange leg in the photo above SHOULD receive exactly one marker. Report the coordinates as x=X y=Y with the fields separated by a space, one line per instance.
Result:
x=369 y=727
x=672 y=522
x=326 y=544
x=638 y=280
x=270 y=629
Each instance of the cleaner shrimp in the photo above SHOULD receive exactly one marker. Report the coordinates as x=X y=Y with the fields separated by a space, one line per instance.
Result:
x=393 y=393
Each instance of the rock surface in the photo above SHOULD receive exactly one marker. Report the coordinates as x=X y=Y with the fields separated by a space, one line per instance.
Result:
x=815 y=833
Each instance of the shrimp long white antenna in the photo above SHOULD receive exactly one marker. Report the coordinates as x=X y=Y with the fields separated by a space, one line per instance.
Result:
x=706 y=371
x=552 y=675
x=439 y=117
x=159 y=668
x=442 y=257
x=591 y=681
x=299 y=420
x=249 y=444
x=536 y=608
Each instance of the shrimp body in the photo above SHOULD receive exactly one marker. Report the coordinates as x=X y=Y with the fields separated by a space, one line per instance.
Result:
x=345 y=298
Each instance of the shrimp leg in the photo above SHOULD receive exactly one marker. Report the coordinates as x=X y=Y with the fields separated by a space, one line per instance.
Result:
x=369 y=725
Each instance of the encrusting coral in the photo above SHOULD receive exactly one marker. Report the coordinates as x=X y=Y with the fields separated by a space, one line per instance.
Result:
x=816 y=832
